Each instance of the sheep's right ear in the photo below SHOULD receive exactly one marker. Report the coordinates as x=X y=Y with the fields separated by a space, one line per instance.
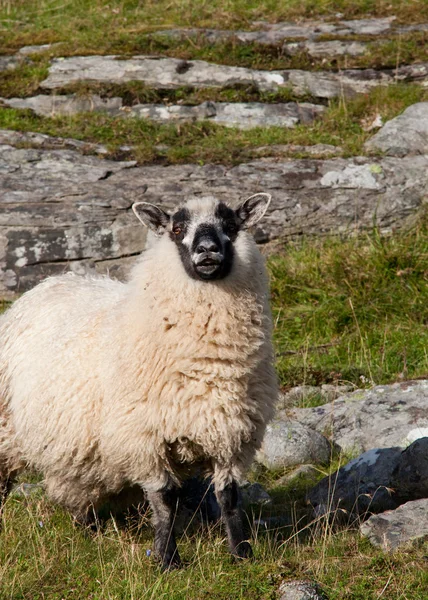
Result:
x=151 y=216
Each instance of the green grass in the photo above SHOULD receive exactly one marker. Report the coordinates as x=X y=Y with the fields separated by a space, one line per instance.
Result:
x=352 y=310
x=44 y=556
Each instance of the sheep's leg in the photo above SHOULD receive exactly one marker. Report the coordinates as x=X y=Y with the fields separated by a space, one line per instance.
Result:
x=6 y=483
x=229 y=499
x=164 y=505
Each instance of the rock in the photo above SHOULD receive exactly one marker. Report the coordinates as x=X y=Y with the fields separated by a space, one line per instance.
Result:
x=8 y=63
x=359 y=488
x=47 y=142
x=318 y=150
x=328 y=49
x=289 y=443
x=160 y=73
x=410 y=476
x=275 y=33
x=406 y=134
x=172 y=73
x=60 y=210
x=25 y=490
x=254 y=494
x=300 y=590
x=383 y=416
x=236 y=114
x=369 y=26
x=29 y=50
x=49 y=106
x=306 y=394
x=396 y=528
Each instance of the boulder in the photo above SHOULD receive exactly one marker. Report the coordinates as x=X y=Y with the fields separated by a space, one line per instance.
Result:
x=380 y=479
x=289 y=443
x=406 y=134
x=410 y=476
x=384 y=416
x=396 y=528
x=359 y=488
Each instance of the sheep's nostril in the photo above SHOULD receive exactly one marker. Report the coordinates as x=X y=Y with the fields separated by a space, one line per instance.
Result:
x=207 y=246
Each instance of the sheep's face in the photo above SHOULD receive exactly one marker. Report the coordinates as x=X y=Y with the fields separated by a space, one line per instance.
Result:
x=204 y=231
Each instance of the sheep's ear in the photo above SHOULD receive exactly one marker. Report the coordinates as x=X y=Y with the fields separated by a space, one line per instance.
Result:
x=253 y=209
x=151 y=216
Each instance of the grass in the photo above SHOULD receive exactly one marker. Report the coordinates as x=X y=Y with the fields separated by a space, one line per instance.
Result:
x=42 y=555
x=352 y=310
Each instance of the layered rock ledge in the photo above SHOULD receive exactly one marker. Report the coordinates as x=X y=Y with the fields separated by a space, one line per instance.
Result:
x=61 y=209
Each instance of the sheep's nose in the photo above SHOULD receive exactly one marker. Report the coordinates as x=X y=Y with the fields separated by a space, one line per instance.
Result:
x=207 y=245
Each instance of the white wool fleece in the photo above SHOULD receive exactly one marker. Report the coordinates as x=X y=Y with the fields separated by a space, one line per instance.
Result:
x=105 y=384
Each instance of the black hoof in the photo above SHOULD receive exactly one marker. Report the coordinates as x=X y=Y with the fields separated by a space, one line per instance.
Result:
x=243 y=550
x=171 y=565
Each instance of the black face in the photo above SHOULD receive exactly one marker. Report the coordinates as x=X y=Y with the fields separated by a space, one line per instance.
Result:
x=206 y=247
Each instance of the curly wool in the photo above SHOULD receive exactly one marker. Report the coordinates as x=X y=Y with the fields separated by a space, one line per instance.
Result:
x=105 y=384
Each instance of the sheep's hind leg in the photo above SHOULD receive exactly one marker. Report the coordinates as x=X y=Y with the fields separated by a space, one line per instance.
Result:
x=164 y=505
x=229 y=499
x=6 y=483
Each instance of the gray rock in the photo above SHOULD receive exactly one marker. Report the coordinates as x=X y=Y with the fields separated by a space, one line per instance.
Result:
x=328 y=49
x=302 y=394
x=25 y=490
x=359 y=488
x=323 y=150
x=254 y=494
x=29 y=50
x=8 y=63
x=385 y=416
x=406 y=134
x=47 y=142
x=236 y=114
x=410 y=477
x=396 y=528
x=300 y=590
x=60 y=210
x=64 y=105
x=171 y=73
x=276 y=33
x=289 y=443
x=369 y=26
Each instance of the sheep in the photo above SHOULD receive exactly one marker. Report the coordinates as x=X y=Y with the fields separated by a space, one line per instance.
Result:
x=106 y=385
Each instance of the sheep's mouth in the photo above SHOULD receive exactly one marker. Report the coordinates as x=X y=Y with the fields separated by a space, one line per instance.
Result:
x=208 y=267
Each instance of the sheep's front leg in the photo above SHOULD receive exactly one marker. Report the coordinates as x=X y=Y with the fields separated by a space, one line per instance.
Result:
x=229 y=499
x=164 y=505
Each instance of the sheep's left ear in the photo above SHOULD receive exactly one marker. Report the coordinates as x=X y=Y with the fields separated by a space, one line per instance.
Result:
x=253 y=209
x=151 y=216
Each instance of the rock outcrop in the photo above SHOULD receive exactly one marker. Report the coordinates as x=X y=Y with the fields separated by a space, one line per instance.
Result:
x=61 y=209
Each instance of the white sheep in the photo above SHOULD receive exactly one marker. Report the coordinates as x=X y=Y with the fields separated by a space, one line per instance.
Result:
x=105 y=385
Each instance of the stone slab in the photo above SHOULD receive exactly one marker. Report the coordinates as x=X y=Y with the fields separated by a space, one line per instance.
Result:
x=62 y=210
x=171 y=73
x=395 y=528
x=243 y=115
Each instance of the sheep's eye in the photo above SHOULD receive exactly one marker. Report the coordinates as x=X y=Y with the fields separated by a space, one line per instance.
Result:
x=177 y=229
x=232 y=227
